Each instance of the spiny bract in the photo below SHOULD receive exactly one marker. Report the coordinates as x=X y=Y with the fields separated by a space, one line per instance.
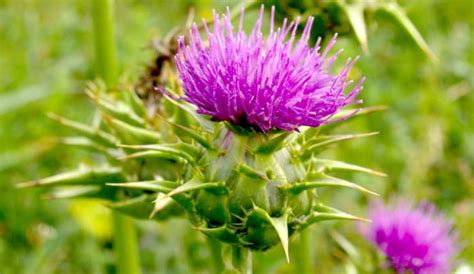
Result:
x=121 y=119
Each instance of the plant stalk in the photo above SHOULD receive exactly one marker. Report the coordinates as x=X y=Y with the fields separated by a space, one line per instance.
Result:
x=215 y=248
x=125 y=244
x=304 y=253
x=125 y=234
x=242 y=259
x=104 y=40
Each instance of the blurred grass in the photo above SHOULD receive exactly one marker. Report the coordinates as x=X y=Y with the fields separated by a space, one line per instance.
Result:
x=426 y=142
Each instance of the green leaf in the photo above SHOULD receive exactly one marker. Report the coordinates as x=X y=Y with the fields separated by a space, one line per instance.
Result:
x=325 y=213
x=399 y=14
x=116 y=109
x=82 y=176
x=85 y=143
x=251 y=172
x=151 y=154
x=161 y=202
x=327 y=209
x=323 y=165
x=359 y=112
x=290 y=164
x=194 y=185
x=355 y=13
x=178 y=150
x=137 y=207
x=308 y=133
x=273 y=144
x=323 y=180
x=134 y=206
x=203 y=122
x=316 y=217
x=223 y=233
x=320 y=142
x=95 y=134
x=132 y=134
x=153 y=185
x=193 y=134
x=281 y=226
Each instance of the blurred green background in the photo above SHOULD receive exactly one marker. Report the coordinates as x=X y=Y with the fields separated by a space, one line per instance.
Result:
x=425 y=145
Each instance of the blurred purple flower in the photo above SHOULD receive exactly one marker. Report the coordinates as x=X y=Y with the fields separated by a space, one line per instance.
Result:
x=416 y=239
x=277 y=83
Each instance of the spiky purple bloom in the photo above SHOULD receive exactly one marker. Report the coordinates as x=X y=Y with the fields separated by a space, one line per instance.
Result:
x=418 y=239
x=275 y=83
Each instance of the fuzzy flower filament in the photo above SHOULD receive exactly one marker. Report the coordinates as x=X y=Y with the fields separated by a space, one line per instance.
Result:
x=415 y=239
x=275 y=83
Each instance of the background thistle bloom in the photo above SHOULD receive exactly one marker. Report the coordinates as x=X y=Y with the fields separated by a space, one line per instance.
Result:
x=417 y=239
x=273 y=83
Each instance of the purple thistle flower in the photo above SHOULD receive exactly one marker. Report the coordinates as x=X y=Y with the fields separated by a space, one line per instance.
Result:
x=273 y=83
x=416 y=239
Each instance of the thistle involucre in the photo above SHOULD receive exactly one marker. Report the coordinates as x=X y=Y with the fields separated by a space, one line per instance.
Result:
x=274 y=83
x=416 y=239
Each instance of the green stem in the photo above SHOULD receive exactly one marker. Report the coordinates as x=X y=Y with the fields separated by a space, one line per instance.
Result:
x=216 y=255
x=125 y=234
x=103 y=20
x=125 y=244
x=242 y=259
x=304 y=253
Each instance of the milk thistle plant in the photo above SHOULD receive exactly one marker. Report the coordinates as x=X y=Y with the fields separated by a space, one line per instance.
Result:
x=414 y=238
x=235 y=145
x=250 y=176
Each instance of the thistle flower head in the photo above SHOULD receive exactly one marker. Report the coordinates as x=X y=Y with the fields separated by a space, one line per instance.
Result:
x=416 y=239
x=275 y=83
